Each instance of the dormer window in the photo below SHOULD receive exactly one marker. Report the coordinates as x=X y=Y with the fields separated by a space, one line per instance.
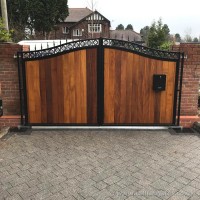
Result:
x=95 y=28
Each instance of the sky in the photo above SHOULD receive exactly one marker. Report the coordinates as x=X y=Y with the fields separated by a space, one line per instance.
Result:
x=181 y=16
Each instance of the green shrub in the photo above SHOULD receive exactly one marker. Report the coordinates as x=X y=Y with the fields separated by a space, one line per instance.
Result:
x=5 y=36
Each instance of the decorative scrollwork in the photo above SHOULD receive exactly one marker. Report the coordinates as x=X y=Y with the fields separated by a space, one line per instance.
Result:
x=81 y=44
x=169 y=55
x=60 y=49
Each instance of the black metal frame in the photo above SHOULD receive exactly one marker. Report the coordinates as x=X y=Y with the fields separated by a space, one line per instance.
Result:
x=100 y=44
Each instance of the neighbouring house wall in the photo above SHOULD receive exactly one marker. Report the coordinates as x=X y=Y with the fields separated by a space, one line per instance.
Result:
x=9 y=84
x=191 y=77
x=58 y=33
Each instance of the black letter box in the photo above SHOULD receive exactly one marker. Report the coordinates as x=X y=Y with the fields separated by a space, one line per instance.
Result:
x=159 y=82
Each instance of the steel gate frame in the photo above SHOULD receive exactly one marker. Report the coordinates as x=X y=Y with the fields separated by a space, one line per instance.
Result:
x=100 y=44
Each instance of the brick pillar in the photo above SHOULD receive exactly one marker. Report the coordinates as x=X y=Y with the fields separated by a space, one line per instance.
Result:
x=9 y=84
x=191 y=75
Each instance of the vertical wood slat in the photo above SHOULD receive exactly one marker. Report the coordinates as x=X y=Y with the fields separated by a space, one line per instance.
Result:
x=109 y=70
x=71 y=91
x=170 y=91
x=60 y=89
x=135 y=87
x=66 y=81
x=33 y=95
x=117 y=86
x=122 y=88
x=78 y=101
x=43 y=89
x=54 y=87
x=163 y=99
x=157 y=103
x=83 y=89
x=129 y=86
x=91 y=59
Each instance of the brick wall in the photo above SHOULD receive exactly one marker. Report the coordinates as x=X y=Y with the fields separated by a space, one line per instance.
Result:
x=9 y=83
x=191 y=76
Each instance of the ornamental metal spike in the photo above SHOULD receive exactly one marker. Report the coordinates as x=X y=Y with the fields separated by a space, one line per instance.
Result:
x=35 y=47
x=60 y=42
x=41 y=46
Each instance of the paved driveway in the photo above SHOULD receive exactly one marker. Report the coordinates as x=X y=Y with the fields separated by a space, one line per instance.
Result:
x=100 y=165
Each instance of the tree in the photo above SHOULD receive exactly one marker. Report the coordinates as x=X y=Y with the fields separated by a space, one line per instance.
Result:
x=120 y=27
x=195 y=39
x=166 y=30
x=29 y=16
x=129 y=27
x=4 y=14
x=177 y=37
x=144 y=32
x=158 y=35
x=188 y=37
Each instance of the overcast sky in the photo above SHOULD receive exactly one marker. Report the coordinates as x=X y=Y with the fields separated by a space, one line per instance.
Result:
x=180 y=15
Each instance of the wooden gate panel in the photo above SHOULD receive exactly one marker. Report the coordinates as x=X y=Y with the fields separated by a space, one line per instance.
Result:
x=63 y=89
x=128 y=89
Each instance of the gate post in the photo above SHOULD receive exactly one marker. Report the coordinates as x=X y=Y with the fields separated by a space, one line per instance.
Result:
x=100 y=83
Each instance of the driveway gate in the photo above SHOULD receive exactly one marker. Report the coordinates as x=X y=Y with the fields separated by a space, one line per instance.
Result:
x=100 y=82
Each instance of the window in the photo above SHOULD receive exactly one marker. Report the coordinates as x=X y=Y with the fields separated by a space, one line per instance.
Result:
x=65 y=30
x=77 y=32
x=95 y=28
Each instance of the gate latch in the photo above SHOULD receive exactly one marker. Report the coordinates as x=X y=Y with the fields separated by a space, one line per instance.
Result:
x=159 y=82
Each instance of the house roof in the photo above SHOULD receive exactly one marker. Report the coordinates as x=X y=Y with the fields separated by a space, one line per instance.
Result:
x=128 y=35
x=77 y=14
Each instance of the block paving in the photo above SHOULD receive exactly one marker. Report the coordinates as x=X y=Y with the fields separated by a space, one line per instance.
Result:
x=100 y=165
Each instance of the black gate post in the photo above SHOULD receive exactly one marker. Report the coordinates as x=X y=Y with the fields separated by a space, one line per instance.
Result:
x=180 y=87
x=100 y=83
x=19 y=59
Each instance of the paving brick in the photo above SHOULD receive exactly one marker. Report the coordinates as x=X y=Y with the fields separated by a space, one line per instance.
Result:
x=14 y=197
x=28 y=192
x=160 y=184
x=111 y=180
x=18 y=189
x=194 y=197
x=44 y=194
x=190 y=175
x=189 y=189
x=179 y=196
x=195 y=184
x=88 y=192
x=183 y=180
x=100 y=185
x=168 y=178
